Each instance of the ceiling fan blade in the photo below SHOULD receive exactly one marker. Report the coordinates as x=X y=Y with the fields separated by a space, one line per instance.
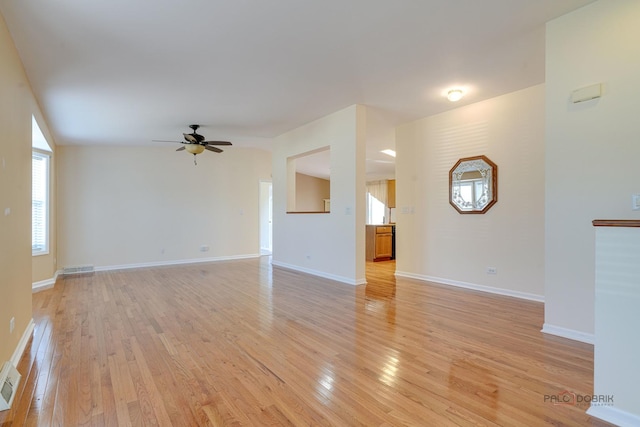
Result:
x=214 y=149
x=180 y=149
x=164 y=140
x=216 y=143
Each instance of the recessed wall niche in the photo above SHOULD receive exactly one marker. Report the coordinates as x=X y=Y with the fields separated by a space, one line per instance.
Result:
x=309 y=181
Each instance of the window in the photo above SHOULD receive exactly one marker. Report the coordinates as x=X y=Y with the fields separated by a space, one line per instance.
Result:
x=375 y=210
x=40 y=203
x=40 y=162
x=377 y=202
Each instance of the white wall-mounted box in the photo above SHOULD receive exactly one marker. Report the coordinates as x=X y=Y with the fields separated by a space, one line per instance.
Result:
x=586 y=93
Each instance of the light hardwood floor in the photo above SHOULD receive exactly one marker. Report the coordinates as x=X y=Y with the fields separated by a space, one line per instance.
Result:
x=237 y=343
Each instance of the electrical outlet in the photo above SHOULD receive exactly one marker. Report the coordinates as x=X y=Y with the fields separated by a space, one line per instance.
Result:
x=635 y=202
x=12 y=324
x=492 y=270
x=204 y=248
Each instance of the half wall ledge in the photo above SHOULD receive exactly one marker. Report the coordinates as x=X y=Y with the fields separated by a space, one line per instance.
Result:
x=616 y=222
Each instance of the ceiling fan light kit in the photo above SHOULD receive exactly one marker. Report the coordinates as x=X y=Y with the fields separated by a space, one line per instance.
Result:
x=194 y=148
x=194 y=143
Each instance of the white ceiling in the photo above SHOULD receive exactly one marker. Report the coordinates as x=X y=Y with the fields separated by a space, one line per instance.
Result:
x=129 y=71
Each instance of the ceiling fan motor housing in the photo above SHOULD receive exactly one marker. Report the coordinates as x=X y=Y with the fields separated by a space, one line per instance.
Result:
x=199 y=138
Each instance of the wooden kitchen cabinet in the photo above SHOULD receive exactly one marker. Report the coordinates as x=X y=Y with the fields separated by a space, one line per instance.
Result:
x=384 y=246
x=391 y=193
x=379 y=242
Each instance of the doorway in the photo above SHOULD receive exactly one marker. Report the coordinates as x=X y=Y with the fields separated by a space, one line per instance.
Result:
x=266 y=217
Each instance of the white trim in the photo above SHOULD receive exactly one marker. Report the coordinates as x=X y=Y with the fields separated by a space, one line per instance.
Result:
x=174 y=262
x=45 y=284
x=572 y=334
x=614 y=416
x=473 y=286
x=22 y=344
x=335 y=277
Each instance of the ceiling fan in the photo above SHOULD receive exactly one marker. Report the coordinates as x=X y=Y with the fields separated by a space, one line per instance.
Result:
x=194 y=143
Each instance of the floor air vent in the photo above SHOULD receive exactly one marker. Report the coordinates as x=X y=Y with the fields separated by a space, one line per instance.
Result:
x=78 y=269
x=9 y=380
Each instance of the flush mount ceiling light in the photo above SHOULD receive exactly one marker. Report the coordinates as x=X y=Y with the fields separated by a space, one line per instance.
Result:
x=455 y=95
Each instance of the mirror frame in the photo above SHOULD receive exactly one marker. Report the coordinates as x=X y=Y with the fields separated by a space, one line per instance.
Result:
x=493 y=184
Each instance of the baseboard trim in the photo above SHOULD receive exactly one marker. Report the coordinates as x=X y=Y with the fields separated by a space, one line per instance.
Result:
x=614 y=416
x=571 y=334
x=174 y=262
x=473 y=286
x=22 y=344
x=318 y=273
x=45 y=284
x=49 y=283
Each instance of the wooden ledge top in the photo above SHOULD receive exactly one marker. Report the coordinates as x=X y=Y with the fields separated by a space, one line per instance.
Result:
x=616 y=222
x=307 y=212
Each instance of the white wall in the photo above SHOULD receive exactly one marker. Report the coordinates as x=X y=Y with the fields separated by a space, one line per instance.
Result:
x=592 y=149
x=617 y=316
x=434 y=241
x=136 y=205
x=330 y=245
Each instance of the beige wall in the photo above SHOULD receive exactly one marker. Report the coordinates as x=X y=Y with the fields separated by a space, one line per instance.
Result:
x=592 y=149
x=17 y=105
x=124 y=206
x=330 y=245
x=311 y=192
x=434 y=241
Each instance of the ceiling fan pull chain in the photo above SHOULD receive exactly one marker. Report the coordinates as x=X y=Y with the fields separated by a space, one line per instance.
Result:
x=194 y=160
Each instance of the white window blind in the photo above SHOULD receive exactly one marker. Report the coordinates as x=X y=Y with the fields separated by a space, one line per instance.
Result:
x=40 y=203
x=377 y=202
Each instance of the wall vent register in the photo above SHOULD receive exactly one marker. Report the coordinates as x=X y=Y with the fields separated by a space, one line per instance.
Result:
x=9 y=380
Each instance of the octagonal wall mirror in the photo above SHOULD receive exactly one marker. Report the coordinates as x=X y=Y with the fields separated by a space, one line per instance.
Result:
x=473 y=185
